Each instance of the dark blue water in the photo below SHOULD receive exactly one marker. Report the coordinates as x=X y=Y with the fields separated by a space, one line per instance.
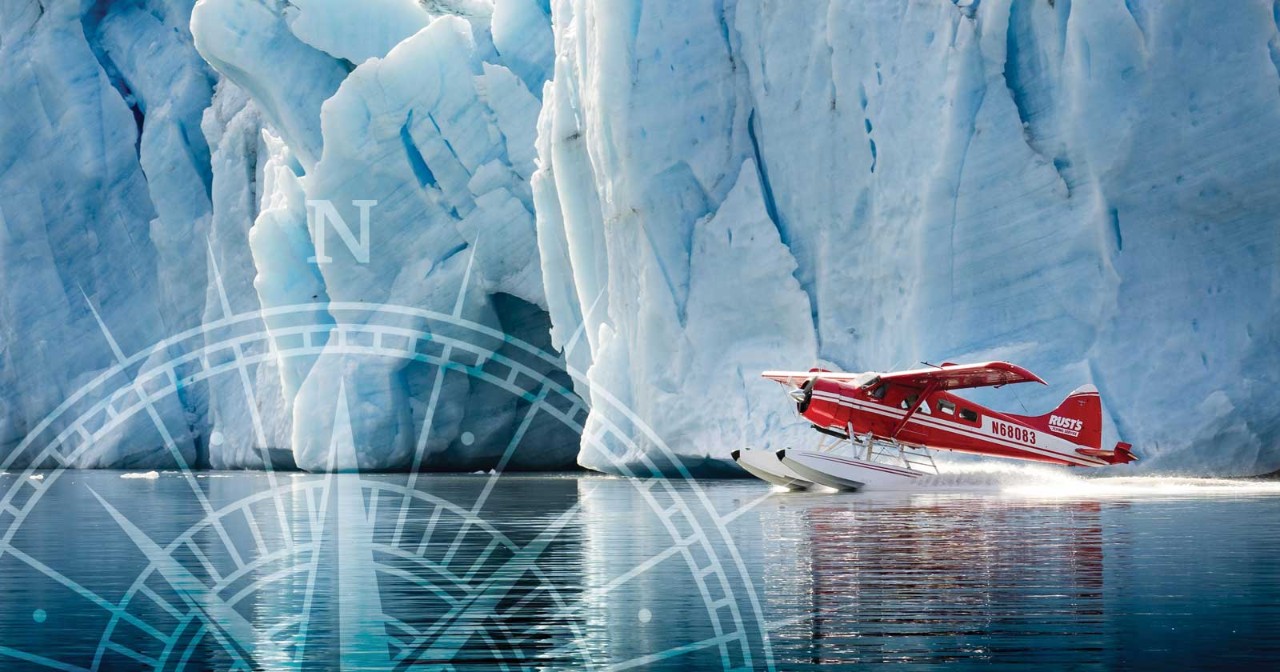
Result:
x=1014 y=567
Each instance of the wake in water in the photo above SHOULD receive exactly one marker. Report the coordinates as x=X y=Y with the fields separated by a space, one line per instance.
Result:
x=1025 y=480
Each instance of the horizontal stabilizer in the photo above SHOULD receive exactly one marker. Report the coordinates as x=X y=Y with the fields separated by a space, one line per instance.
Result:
x=1121 y=454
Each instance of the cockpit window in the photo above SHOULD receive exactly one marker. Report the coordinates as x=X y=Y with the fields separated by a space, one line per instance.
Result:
x=879 y=392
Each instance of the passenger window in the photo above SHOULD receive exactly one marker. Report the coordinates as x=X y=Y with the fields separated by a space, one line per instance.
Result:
x=967 y=414
x=946 y=407
x=909 y=401
x=924 y=408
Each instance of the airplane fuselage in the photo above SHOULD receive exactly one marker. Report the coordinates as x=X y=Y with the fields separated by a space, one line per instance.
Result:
x=941 y=421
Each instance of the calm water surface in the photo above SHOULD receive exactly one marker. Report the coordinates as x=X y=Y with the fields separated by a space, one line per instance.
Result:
x=108 y=570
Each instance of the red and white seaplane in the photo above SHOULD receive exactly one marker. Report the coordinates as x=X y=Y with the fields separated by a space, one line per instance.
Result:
x=879 y=428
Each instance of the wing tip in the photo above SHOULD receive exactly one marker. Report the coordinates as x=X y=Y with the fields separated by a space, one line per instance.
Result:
x=1027 y=375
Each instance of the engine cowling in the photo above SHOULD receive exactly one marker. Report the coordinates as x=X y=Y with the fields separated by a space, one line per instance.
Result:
x=803 y=395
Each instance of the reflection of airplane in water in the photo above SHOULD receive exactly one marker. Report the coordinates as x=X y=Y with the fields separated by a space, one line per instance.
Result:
x=878 y=429
x=940 y=580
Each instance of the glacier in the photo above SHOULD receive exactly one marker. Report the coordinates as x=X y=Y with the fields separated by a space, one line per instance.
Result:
x=169 y=165
x=1083 y=188
x=675 y=194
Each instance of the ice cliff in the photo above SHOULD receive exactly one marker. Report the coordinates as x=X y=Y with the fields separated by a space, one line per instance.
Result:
x=166 y=165
x=1087 y=188
x=676 y=193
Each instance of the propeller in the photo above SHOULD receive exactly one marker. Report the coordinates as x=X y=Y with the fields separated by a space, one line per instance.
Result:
x=803 y=395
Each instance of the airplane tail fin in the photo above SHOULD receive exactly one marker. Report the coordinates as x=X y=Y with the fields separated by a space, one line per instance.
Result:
x=1077 y=419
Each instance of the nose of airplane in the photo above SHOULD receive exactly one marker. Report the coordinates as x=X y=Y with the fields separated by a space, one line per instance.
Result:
x=803 y=395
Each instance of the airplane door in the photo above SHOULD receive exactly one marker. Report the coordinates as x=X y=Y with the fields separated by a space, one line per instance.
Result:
x=914 y=432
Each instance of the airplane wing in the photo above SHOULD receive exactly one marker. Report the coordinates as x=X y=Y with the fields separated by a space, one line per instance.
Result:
x=962 y=376
x=799 y=378
x=788 y=378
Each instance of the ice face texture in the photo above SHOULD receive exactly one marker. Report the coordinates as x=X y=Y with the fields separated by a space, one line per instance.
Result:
x=681 y=193
x=98 y=211
x=417 y=114
x=1086 y=188
x=167 y=179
